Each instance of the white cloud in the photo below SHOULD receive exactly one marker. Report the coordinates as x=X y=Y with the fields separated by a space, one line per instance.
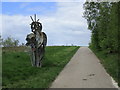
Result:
x=16 y=26
x=65 y=26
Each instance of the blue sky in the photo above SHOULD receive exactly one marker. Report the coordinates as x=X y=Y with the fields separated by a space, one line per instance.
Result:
x=28 y=8
x=63 y=22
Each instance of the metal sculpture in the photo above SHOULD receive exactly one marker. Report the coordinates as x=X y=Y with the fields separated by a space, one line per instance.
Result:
x=37 y=40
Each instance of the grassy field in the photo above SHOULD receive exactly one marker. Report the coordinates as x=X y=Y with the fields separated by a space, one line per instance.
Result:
x=18 y=72
x=109 y=61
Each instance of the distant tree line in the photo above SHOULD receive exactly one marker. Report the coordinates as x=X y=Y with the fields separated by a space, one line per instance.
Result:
x=102 y=19
x=8 y=42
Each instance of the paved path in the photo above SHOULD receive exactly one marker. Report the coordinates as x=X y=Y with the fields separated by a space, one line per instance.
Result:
x=83 y=71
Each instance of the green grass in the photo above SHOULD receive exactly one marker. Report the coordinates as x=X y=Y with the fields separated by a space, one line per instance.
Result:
x=18 y=72
x=109 y=61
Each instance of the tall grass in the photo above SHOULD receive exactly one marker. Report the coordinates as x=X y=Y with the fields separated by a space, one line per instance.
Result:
x=18 y=72
x=109 y=61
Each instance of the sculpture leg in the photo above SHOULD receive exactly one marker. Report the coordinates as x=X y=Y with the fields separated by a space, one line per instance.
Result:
x=37 y=58
x=33 y=58
x=41 y=54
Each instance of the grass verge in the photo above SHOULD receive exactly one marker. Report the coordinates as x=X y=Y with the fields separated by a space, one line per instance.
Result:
x=18 y=72
x=109 y=61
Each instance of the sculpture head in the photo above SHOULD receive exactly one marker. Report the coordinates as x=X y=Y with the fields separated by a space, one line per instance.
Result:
x=35 y=25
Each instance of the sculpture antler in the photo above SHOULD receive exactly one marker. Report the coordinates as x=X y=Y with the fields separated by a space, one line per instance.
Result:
x=35 y=25
x=34 y=18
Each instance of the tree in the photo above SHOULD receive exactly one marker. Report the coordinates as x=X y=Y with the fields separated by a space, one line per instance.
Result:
x=22 y=44
x=1 y=40
x=16 y=42
x=10 y=42
x=91 y=14
x=102 y=20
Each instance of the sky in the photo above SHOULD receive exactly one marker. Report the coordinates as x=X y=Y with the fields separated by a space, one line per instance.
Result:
x=63 y=22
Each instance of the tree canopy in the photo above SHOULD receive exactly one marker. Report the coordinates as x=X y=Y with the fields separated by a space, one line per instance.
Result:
x=102 y=19
x=9 y=42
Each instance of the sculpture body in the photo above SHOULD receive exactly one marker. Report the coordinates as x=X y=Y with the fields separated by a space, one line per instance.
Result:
x=37 y=40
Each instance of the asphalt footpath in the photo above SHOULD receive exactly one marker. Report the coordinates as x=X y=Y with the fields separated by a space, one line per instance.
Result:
x=84 y=71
